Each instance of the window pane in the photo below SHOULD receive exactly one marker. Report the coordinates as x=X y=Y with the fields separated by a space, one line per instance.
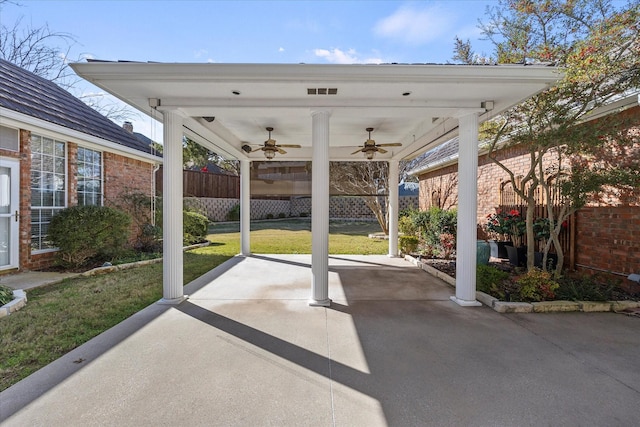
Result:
x=36 y=197
x=47 y=164
x=36 y=144
x=59 y=166
x=47 y=146
x=47 y=198
x=59 y=152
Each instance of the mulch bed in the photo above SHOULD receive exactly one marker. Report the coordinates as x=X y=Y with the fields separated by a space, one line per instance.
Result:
x=448 y=266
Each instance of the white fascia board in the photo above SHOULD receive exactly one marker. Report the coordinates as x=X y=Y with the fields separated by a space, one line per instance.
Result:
x=314 y=72
x=45 y=128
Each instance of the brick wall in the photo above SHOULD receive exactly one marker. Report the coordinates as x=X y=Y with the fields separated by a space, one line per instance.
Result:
x=608 y=238
x=124 y=175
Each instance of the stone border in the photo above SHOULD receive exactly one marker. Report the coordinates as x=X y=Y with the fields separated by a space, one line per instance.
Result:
x=19 y=300
x=534 y=307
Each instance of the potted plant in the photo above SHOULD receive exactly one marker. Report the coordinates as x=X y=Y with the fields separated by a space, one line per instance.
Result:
x=504 y=226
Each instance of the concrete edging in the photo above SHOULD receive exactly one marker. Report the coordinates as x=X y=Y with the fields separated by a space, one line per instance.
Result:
x=19 y=300
x=535 y=307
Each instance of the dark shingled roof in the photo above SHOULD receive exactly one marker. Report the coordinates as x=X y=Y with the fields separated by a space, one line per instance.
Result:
x=26 y=93
x=439 y=155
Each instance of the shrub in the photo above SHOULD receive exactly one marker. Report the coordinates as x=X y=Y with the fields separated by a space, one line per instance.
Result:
x=491 y=281
x=195 y=227
x=269 y=216
x=408 y=244
x=304 y=214
x=585 y=288
x=85 y=233
x=448 y=244
x=234 y=213
x=535 y=285
x=149 y=239
x=406 y=226
x=6 y=295
x=282 y=215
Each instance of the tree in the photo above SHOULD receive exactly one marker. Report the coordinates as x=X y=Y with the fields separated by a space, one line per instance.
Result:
x=368 y=180
x=598 y=49
x=195 y=154
x=45 y=53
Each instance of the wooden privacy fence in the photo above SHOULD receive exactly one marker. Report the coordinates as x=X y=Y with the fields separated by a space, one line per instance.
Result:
x=205 y=184
x=509 y=200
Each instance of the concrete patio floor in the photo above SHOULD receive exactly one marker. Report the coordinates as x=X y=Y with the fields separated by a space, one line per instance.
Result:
x=246 y=350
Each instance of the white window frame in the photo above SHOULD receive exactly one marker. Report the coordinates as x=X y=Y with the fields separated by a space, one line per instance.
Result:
x=53 y=207
x=101 y=178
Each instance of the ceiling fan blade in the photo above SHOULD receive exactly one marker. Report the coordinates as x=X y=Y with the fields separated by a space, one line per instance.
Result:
x=381 y=150
x=281 y=151
x=257 y=149
x=289 y=145
x=394 y=144
x=357 y=151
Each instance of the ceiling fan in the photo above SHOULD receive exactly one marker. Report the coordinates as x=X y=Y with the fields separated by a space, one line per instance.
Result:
x=370 y=148
x=270 y=147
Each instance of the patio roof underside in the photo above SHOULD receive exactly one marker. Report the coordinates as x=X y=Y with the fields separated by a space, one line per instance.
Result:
x=226 y=106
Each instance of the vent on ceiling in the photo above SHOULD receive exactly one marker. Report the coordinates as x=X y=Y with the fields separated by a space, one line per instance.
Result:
x=322 y=91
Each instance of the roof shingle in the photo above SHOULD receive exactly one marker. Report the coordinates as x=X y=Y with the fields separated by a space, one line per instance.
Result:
x=29 y=94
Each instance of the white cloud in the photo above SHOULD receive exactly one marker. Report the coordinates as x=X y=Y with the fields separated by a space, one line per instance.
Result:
x=351 y=56
x=414 y=25
x=280 y=49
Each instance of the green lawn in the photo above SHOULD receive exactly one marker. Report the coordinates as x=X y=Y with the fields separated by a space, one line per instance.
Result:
x=60 y=317
x=294 y=237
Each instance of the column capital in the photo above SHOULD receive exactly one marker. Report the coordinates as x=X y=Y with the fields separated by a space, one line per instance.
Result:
x=321 y=110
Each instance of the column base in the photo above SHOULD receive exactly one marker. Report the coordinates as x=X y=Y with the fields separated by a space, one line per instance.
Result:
x=320 y=303
x=465 y=303
x=173 y=301
x=393 y=256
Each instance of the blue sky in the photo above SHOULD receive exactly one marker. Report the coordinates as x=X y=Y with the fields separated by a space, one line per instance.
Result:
x=258 y=31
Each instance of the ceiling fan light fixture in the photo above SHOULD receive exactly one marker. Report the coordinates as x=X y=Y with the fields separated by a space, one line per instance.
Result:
x=269 y=154
x=370 y=154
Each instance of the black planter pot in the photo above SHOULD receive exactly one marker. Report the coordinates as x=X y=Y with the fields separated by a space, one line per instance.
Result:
x=499 y=248
x=517 y=256
x=552 y=260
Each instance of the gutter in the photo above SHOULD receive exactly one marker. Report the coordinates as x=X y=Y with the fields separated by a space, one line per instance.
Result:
x=17 y=119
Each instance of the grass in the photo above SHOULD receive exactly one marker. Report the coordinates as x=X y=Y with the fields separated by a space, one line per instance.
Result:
x=294 y=237
x=59 y=318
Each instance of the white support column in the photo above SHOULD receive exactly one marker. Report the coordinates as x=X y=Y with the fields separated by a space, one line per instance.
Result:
x=320 y=209
x=172 y=282
x=245 y=207
x=394 y=208
x=467 y=211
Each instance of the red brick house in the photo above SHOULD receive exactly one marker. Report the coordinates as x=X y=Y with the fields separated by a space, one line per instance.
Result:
x=603 y=237
x=57 y=152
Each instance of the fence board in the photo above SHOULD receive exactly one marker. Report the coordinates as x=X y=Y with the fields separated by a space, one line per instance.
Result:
x=205 y=184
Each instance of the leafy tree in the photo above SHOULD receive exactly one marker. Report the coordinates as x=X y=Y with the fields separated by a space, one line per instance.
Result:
x=597 y=47
x=195 y=154
x=368 y=180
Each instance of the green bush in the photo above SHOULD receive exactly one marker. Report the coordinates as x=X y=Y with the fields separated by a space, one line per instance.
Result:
x=269 y=216
x=406 y=226
x=282 y=215
x=408 y=244
x=535 y=285
x=6 y=295
x=195 y=227
x=490 y=280
x=432 y=223
x=234 y=213
x=88 y=233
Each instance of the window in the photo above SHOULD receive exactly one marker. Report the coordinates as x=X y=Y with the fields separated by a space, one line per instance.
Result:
x=89 y=177
x=48 y=187
x=9 y=139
